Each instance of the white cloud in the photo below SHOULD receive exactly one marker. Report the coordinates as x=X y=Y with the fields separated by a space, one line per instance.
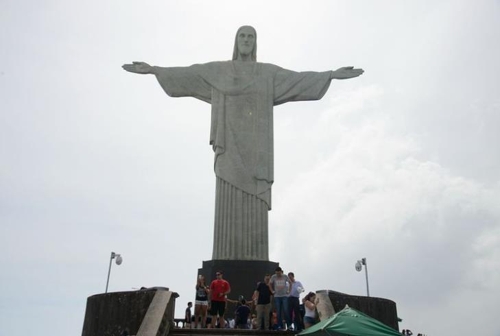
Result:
x=423 y=230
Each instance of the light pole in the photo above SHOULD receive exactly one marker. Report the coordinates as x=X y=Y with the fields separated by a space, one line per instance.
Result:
x=118 y=261
x=359 y=266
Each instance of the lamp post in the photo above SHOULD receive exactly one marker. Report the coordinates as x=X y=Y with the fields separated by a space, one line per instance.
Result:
x=359 y=266
x=118 y=261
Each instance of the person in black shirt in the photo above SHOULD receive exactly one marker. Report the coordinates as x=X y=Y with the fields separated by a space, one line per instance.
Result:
x=241 y=315
x=262 y=295
x=187 y=317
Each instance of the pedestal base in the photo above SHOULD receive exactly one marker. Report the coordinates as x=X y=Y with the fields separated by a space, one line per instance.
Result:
x=242 y=275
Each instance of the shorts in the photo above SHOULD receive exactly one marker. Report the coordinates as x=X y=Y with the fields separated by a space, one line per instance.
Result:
x=201 y=303
x=218 y=308
x=310 y=320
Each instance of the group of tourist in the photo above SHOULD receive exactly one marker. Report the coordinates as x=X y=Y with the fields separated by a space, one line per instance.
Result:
x=281 y=290
x=285 y=290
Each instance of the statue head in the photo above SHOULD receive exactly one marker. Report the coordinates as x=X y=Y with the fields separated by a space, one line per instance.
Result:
x=245 y=44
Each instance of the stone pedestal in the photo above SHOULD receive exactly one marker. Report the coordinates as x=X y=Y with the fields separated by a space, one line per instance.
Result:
x=112 y=313
x=242 y=275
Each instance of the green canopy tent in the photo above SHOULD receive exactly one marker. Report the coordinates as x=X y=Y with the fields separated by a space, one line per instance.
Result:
x=350 y=322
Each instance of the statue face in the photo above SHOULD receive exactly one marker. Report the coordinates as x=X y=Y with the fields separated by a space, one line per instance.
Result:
x=246 y=41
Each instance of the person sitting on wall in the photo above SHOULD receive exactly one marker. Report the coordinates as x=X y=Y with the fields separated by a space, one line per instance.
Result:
x=310 y=306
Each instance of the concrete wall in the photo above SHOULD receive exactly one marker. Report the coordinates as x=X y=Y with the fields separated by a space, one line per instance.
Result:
x=380 y=309
x=109 y=314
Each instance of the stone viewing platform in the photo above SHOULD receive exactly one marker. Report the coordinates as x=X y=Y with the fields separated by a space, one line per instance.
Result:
x=147 y=312
x=228 y=331
x=151 y=312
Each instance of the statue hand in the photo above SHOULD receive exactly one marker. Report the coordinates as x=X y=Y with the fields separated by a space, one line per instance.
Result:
x=138 y=67
x=346 y=73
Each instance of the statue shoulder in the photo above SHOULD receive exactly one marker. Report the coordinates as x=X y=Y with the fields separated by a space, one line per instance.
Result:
x=207 y=65
x=269 y=65
x=208 y=70
x=271 y=70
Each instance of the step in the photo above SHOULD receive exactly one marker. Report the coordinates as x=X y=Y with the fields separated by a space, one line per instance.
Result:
x=228 y=332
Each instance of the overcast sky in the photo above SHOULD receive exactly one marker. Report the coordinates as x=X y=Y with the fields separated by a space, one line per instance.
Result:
x=400 y=165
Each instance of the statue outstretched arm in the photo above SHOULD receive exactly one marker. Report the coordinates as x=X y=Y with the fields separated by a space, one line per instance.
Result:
x=142 y=68
x=346 y=73
x=177 y=81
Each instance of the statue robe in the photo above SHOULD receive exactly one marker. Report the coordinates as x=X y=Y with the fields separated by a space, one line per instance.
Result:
x=242 y=95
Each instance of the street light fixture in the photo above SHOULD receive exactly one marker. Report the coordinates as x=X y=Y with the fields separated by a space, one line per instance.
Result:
x=359 y=266
x=118 y=261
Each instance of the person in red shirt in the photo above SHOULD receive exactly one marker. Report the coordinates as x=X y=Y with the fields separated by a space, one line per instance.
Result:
x=219 y=288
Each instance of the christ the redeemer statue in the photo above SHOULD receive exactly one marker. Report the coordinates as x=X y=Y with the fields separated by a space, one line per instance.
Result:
x=242 y=93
